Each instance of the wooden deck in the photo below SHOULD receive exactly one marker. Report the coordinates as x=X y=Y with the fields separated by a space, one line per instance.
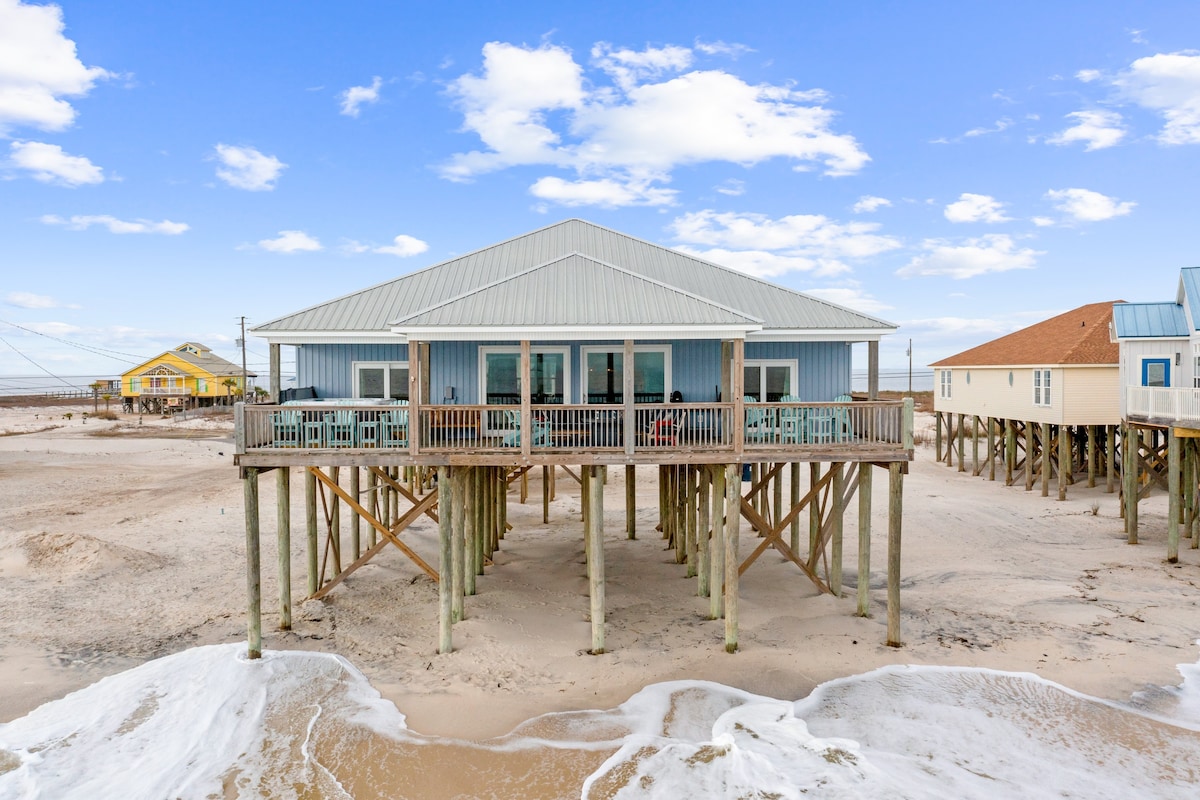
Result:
x=371 y=434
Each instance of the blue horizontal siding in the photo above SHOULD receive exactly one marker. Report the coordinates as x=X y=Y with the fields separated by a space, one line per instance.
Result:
x=823 y=368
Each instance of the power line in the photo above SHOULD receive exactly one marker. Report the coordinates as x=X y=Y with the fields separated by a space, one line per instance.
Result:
x=99 y=351
x=39 y=366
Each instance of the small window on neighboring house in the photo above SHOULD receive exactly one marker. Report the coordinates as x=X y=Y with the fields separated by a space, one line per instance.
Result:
x=945 y=384
x=1041 y=387
x=1196 y=372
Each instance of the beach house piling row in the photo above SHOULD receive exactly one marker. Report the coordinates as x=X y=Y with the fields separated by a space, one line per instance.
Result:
x=574 y=349
x=1109 y=389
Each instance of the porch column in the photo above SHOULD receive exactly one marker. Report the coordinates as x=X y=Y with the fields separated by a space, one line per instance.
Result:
x=415 y=367
x=253 y=577
x=873 y=370
x=526 y=425
x=627 y=387
x=737 y=389
x=276 y=382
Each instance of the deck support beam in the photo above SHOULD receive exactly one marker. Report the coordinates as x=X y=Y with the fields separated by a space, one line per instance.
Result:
x=864 y=540
x=445 y=554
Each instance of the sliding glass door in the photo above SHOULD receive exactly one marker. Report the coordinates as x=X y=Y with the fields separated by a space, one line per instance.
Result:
x=604 y=375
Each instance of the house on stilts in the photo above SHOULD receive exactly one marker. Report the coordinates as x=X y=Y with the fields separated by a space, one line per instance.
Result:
x=1045 y=400
x=1160 y=407
x=577 y=347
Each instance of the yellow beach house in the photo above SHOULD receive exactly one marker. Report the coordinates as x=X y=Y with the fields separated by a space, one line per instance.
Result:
x=189 y=376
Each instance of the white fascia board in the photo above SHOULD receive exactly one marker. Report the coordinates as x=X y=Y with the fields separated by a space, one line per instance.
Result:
x=578 y=332
x=330 y=337
x=820 y=335
x=1152 y=339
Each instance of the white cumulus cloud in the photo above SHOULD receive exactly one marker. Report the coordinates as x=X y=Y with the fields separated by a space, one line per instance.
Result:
x=80 y=222
x=655 y=113
x=850 y=297
x=1168 y=83
x=31 y=300
x=403 y=246
x=1095 y=129
x=38 y=68
x=356 y=96
x=1084 y=205
x=759 y=245
x=976 y=208
x=247 y=168
x=290 y=242
x=994 y=252
x=869 y=203
x=48 y=163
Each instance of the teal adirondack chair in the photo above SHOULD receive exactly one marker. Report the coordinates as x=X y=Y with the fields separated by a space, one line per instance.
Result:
x=540 y=430
x=791 y=421
x=285 y=428
x=341 y=428
x=393 y=427
x=843 y=428
x=759 y=427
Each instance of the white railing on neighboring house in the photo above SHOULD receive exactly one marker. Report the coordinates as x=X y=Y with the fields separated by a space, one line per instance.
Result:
x=1153 y=402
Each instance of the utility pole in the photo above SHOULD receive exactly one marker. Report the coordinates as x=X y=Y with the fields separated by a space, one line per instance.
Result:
x=909 y=354
x=242 y=343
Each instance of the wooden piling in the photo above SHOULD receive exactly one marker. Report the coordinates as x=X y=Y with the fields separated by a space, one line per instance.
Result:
x=445 y=557
x=1045 y=461
x=458 y=554
x=595 y=535
x=253 y=575
x=691 y=489
x=473 y=556
x=1129 y=482
x=703 y=530
x=1064 y=461
x=283 y=527
x=310 y=519
x=335 y=522
x=1174 y=468
x=631 y=501
x=895 y=515
x=837 y=516
x=1010 y=451
x=733 y=518
x=795 y=498
x=716 y=579
x=1110 y=457
x=865 y=471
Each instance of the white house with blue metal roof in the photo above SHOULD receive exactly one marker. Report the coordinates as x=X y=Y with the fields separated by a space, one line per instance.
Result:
x=1160 y=354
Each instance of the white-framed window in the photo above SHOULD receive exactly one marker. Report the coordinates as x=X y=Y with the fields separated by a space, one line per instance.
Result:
x=1196 y=372
x=381 y=379
x=769 y=380
x=603 y=379
x=1041 y=387
x=944 y=384
x=549 y=374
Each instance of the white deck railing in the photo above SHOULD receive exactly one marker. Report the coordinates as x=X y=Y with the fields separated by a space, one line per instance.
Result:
x=1153 y=402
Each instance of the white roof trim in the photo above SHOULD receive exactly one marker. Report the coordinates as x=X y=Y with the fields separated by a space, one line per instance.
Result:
x=819 y=335
x=435 y=333
x=330 y=337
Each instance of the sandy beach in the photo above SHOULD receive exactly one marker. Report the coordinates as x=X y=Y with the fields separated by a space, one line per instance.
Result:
x=123 y=541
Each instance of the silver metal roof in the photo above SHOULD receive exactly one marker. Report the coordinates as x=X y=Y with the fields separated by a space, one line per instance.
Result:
x=374 y=308
x=602 y=295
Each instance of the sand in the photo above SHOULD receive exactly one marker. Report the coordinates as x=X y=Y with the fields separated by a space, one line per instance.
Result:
x=122 y=541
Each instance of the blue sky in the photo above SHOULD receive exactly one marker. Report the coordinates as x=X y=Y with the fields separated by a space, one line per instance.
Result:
x=960 y=169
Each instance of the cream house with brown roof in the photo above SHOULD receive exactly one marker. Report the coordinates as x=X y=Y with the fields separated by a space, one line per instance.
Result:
x=1063 y=371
